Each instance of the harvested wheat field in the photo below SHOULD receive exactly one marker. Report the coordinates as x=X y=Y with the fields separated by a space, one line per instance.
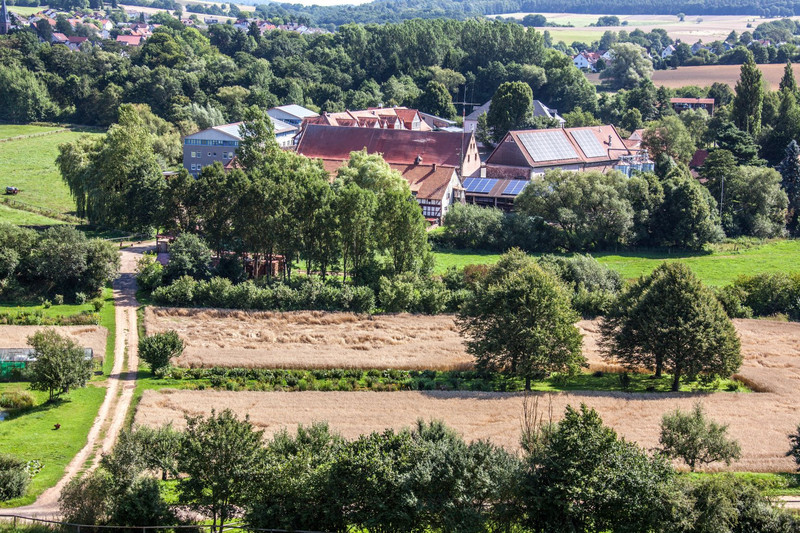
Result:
x=312 y=339
x=93 y=337
x=760 y=421
x=706 y=75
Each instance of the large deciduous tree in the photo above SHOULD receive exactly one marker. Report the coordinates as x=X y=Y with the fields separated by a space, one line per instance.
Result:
x=511 y=109
x=629 y=67
x=669 y=137
x=116 y=180
x=60 y=363
x=580 y=476
x=668 y=321
x=220 y=456
x=520 y=322
x=436 y=100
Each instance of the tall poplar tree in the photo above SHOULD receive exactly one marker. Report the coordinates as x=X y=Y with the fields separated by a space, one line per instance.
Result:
x=788 y=81
x=749 y=99
x=790 y=174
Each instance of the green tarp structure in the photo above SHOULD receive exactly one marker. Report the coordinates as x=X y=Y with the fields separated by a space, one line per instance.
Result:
x=19 y=358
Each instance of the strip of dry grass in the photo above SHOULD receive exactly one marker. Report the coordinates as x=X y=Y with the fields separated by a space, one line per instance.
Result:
x=760 y=421
x=312 y=339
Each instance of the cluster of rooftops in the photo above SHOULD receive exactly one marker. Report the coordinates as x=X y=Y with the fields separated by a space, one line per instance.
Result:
x=442 y=164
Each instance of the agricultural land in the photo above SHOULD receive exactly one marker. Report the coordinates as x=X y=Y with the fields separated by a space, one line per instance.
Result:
x=29 y=154
x=759 y=420
x=706 y=75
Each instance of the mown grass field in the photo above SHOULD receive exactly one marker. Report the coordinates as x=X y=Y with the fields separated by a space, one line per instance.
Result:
x=721 y=266
x=25 y=218
x=31 y=435
x=29 y=164
x=13 y=130
x=27 y=10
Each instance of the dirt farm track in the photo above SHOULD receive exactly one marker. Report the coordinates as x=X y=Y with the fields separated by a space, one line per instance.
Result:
x=760 y=421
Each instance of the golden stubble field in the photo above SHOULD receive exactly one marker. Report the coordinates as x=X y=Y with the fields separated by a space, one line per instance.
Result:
x=311 y=339
x=93 y=337
x=707 y=75
x=760 y=421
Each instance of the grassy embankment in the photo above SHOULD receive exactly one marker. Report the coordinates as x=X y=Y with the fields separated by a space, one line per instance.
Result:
x=718 y=267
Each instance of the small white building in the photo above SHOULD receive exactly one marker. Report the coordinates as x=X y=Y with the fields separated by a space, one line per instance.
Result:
x=667 y=52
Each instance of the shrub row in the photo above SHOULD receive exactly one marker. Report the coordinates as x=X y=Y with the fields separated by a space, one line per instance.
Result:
x=340 y=379
x=399 y=294
x=14 y=477
x=16 y=400
x=38 y=318
x=762 y=295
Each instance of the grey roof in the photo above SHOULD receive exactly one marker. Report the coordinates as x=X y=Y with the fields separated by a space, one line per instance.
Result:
x=539 y=110
x=232 y=129
x=297 y=110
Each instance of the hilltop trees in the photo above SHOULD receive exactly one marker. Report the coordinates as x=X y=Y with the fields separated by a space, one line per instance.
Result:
x=520 y=322
x=668 y=321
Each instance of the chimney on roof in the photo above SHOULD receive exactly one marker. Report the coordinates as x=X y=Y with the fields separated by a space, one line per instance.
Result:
x=418 y=160
x=609 y=140
x=434 y=167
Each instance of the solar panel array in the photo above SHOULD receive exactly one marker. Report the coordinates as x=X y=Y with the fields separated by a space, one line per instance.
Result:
x=548 y=145
x=515 y=187
x=479 y=185
x=589 y=143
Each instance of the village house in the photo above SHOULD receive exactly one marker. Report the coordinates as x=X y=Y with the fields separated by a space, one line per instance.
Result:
x=529 y=153
x=432 y=163
x=682 y=104
x=586 y=61
x=219 y=143
x=129 y=40
x=667 y=52
x=539 y=110
x=291 y=114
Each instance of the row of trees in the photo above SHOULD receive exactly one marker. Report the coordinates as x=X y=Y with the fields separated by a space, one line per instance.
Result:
x=520 y=321
x=573 y=475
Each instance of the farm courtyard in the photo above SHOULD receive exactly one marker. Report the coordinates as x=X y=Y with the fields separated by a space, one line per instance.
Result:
x=759 y=420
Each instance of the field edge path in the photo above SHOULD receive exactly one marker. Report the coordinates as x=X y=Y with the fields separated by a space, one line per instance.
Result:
x=119 y=391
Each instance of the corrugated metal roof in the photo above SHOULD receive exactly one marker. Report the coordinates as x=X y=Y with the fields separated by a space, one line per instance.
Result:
x=296 y=110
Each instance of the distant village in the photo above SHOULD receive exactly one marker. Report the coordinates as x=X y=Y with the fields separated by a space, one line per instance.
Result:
x=131 y=29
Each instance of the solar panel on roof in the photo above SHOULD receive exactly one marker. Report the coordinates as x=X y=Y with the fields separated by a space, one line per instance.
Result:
x=515 y=187
x=589 y=143
x=547 y=145
x=479 y=185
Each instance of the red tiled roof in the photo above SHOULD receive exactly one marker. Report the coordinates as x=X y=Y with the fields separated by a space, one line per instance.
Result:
x=705 y=101
x=77 y=40
x=426 y=181
x=396 y=146
x=130 y=40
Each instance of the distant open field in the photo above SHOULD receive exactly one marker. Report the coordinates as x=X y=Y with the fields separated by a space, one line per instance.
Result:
x=25 y=10
x=722 y=266
x=312 y=339
x=705 y=76
x=760 y=421
x=710 y=28
x=29 y=164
